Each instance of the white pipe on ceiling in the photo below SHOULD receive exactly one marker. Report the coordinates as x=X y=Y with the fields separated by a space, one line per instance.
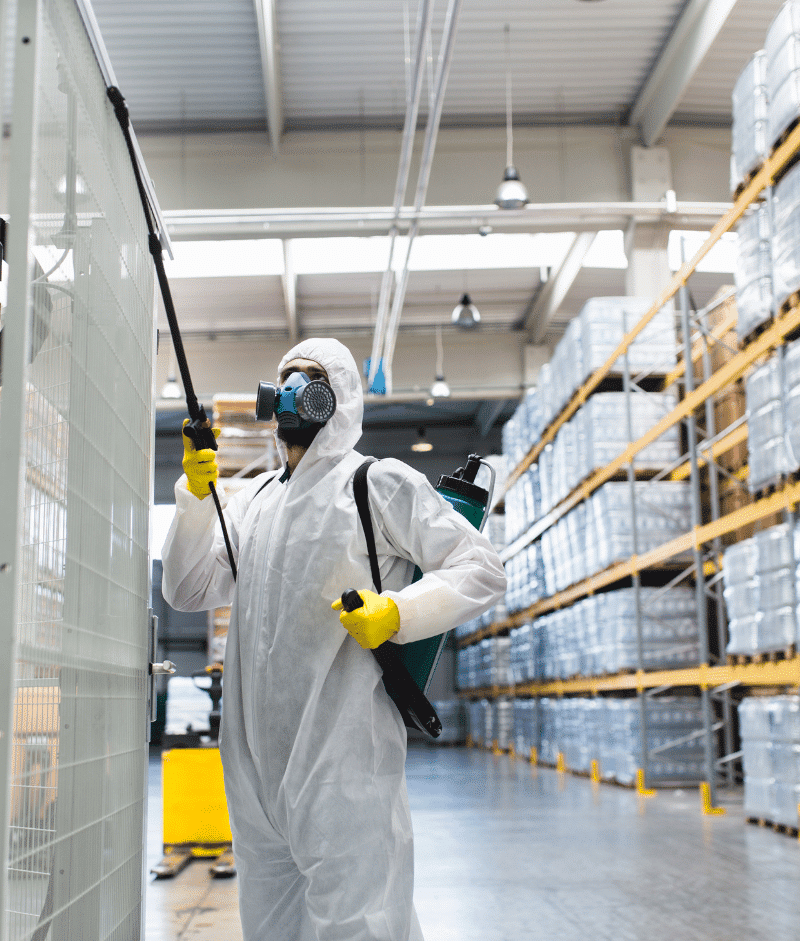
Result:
x=200 y=224
x=426 y=162
x=404 y=167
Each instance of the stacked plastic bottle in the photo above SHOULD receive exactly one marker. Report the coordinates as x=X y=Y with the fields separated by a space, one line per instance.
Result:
x=479 y=721
x=600 y=531
x=768 y=459
x=608 y=730
x=523 y=503
x=749 y=130
x=760 y=576
x=667 y=720
x=782 y=52
x=525 y=574
x=588 y=341
x=525 y=654
x=598 y=634
x=597 y=434
x=770 y=730
x=791 y=403
x=786 y=237
x=753 y=273
x=526 y=726
x=491 y=722
x=487 y=663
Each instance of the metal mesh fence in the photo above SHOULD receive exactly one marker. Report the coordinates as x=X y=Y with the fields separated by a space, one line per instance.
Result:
x=79 y=637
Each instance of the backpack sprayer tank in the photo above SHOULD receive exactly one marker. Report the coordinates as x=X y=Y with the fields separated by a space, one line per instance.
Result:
x=472 y=502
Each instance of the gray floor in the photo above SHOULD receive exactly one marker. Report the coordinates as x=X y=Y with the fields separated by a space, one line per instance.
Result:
x=506 y=852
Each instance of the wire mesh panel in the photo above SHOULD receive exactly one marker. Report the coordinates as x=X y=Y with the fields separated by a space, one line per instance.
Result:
x=81 y=373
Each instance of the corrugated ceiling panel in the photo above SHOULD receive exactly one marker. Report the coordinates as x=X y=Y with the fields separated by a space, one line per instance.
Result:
x=347 y=60
x=709 y=92
x=180 y=63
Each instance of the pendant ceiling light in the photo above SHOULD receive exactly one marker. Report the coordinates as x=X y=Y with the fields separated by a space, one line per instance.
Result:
x=511 y=193
x=422 y=443
x=465 y=313
x=440 y=389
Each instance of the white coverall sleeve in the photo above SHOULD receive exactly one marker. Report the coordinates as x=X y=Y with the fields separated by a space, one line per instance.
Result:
x=463 y=575
x=197 y=574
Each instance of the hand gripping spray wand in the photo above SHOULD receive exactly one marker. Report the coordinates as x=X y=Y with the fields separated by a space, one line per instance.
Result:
x=199 y=428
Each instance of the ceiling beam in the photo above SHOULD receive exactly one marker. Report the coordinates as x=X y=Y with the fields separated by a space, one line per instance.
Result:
x=557 y=287
x=692 y=36
x=289 y=281
x=270 y=69
x=535 y=217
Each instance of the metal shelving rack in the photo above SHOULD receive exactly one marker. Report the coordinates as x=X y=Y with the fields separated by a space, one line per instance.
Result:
x=713 y=677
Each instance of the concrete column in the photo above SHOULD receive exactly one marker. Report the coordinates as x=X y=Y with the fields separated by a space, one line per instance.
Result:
x=646 y=243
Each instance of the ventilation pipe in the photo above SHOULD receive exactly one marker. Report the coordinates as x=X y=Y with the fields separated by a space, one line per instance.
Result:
x=426 y=162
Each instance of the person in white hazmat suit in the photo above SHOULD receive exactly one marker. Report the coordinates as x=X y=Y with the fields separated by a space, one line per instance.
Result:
x=313 y=748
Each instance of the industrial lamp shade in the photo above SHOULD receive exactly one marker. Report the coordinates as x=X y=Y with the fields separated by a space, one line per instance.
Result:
x=465 y=313
x=440 y=389
x=422 y=443
x=511 y=193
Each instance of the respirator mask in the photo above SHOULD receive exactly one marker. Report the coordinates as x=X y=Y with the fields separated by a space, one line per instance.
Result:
x=299 y=403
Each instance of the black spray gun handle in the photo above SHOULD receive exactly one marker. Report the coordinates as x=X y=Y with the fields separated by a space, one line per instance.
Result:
x=351 y=600
x=397 y=675
x=199 y=432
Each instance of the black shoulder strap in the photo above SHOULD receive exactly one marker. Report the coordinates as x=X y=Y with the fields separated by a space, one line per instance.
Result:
x=416 y=710
x=362 y=504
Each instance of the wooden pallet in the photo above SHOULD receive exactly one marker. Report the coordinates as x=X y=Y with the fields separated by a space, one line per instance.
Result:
x=769 y=656
x=782 y=137
x=746 y=181
x=776 y=827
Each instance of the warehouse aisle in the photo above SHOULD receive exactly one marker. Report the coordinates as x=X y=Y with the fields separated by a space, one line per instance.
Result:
x=509 y=852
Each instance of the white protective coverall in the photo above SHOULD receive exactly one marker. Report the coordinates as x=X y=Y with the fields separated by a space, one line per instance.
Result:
x=313 y=747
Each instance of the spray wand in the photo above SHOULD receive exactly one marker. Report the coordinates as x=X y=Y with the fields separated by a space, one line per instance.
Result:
x=198 y=430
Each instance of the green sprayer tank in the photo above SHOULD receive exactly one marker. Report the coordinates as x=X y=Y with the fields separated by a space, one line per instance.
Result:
x=472 y=502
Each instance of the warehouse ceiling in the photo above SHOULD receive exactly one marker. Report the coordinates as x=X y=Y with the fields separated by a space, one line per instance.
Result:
x=343 y=63
x=278 y=67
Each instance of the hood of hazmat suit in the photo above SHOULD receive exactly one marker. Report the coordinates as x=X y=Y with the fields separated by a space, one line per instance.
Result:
x=312 y=745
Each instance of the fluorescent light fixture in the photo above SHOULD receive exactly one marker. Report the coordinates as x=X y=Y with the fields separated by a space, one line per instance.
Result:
x=230 y=258
x=722 y=258
x=607 y=251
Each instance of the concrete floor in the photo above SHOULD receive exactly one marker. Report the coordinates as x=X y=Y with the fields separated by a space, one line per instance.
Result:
x=509 y=852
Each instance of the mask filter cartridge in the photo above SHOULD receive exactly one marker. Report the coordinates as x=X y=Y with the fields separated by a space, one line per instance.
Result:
x=299 y=403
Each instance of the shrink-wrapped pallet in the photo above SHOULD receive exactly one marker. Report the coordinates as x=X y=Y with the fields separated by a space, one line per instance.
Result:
x=770 y=731
x=749 y=131
x=782 y=52
x=753 y=273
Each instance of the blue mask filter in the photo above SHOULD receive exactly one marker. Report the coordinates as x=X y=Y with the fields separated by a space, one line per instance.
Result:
x=300 y=403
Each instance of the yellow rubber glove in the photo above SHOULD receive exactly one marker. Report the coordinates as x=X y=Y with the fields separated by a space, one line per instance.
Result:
x=200 y=466
x=373 y=623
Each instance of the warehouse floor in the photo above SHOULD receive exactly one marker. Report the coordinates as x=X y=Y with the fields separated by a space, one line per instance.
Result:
x=509 y=852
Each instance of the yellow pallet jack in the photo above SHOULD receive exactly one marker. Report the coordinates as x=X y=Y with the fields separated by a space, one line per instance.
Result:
x=196 y=824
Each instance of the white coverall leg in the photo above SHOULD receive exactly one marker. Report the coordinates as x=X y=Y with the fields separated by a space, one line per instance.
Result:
x=312 y=746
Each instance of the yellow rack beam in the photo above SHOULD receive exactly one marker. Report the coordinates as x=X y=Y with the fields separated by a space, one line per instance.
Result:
x=762 y=179
x=779 y=673
x=725 y=443
x=782 y=499
x=785 y=324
